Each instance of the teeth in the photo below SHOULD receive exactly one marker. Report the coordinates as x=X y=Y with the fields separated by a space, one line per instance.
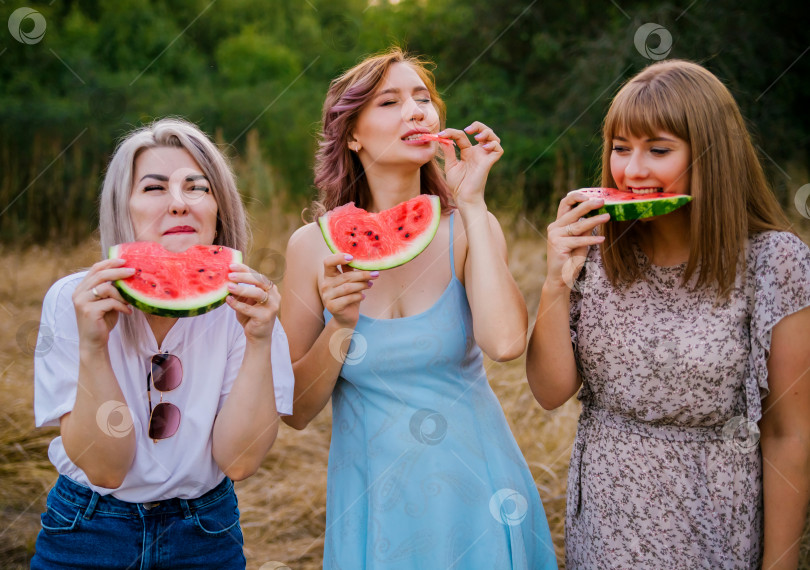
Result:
x=413 y=137
x=645 y=190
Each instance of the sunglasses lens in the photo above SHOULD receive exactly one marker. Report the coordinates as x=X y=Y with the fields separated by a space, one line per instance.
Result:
x=167 y=372
x=165 y=421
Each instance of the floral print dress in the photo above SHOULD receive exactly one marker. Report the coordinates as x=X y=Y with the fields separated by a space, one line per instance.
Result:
x=666 y=467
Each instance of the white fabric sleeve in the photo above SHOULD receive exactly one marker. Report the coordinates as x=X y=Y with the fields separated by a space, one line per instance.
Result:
x=283 y=380
x=56 y=358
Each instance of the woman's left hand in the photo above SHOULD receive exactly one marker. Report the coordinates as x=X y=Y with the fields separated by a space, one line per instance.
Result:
x=467 y=174
x=255 y=299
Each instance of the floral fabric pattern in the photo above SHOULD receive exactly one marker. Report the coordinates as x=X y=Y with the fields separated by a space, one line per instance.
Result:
x=666 y=468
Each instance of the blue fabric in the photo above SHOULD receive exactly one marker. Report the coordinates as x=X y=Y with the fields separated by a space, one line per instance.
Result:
x=82 y=529
x=423 y=469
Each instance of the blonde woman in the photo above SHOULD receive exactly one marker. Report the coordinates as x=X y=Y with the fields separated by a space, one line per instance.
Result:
x=138 y=488
x=688 y=334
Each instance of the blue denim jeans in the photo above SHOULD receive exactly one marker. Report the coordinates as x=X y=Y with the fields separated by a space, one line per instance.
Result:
x=82 y=529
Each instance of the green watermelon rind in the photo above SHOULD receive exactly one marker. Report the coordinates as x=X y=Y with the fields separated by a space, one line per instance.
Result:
x=638 y=209
x=416 y=247
x=176 y=309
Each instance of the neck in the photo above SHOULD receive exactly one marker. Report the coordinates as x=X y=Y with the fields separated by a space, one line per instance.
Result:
x=390 y=187
x=665 y=240
x=160 y=327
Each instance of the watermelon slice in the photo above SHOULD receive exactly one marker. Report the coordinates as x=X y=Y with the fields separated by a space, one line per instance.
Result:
x=624 y=206
x=437 y=138
x=385 y=239
x=172 y=284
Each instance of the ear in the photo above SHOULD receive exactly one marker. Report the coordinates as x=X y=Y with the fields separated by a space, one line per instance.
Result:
x=354 y=145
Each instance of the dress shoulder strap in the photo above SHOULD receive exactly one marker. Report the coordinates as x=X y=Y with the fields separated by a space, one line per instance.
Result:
x=452 y=257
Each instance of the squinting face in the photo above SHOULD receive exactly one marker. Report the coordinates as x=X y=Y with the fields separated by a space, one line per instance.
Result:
x=643 y=165
x=399 y=110
x=171 y=201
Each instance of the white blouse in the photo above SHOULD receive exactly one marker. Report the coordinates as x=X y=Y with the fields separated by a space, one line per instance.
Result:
x=210 y=348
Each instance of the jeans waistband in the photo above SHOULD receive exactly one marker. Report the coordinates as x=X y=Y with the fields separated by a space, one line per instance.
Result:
x=92 y=502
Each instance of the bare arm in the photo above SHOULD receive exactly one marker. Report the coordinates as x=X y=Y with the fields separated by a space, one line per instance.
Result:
x=318 y=350
x=550 y=364
x=104 y=454
x=246 y=426
x=500 y=319
x=785 y=440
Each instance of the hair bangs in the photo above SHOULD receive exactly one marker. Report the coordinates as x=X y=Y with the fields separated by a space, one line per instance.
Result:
x=644 y=109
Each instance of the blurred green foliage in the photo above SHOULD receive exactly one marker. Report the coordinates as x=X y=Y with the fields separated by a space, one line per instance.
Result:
x=540 y=73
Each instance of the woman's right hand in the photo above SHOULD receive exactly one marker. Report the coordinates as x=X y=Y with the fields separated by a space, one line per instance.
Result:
x=341 y=293
x=97 y=302
x=569 y=238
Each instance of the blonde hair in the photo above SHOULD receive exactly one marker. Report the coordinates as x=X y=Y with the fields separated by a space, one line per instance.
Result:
x=731 y=198
x=339 y=174
x=115 y=223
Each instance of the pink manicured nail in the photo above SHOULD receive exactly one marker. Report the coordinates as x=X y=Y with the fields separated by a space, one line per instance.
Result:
x=370 y=283
x=375 y=273
x=347 y=257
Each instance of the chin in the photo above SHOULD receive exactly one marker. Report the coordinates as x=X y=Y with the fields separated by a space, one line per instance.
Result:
x=178 y=243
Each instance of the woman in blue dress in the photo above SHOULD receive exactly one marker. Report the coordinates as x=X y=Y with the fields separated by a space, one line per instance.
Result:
x=423 y=469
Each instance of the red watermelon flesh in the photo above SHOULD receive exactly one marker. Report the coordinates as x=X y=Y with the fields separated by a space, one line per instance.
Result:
x=173 y=284
x=386 y=239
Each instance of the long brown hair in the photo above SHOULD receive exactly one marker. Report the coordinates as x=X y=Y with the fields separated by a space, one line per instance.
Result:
x=339 y=175
x=731 y=198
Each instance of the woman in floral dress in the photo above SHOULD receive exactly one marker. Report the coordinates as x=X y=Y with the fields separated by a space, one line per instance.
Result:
x=690 y=338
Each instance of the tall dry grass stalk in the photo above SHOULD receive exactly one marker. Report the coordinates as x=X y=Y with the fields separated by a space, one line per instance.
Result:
x=283 y=505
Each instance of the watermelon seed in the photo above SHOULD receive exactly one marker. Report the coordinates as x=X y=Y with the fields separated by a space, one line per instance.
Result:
x=399 y=229
x=407 y=235
x=377 y=237
x=352 y=234
x=201 y=270
x=354 y=244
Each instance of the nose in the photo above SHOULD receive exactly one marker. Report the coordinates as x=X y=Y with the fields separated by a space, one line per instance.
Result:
x=636 y=166
x=414 y=111
x=177 y=202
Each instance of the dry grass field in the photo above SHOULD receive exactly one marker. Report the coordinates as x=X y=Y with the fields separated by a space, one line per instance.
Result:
x=283 y=505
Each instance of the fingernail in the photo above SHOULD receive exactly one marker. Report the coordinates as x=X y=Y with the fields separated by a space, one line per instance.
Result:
x=233 y=267
x=605 y=216
x=487 y=146
x=347 y=257
x=232 y=286
x=468 y=128
x=375 y=274
x=441 y=133
x=363 y=295
x=370 y=283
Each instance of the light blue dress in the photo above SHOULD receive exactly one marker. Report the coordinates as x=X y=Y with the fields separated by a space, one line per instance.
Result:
x=423 y=470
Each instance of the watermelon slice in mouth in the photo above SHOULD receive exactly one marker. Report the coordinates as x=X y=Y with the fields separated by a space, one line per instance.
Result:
x=437 y=138
x=172 y=284
x=386 y=239
x=626 y=206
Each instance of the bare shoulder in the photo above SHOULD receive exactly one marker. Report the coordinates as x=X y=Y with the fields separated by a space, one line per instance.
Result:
x=307 y=246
